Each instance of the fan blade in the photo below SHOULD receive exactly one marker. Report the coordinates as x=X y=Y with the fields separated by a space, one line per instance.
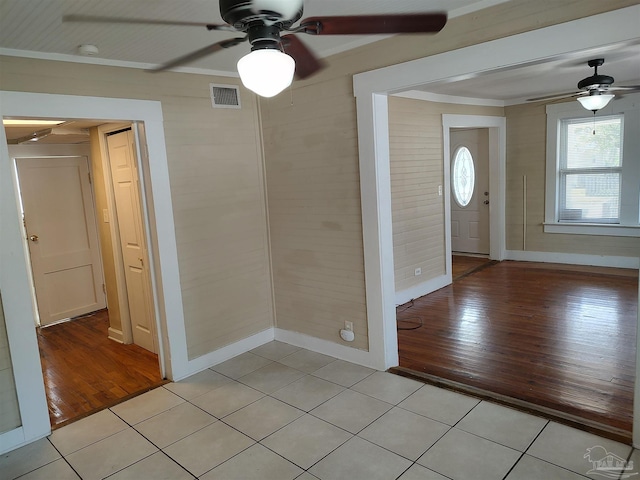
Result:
x=141 y=21
x=203 y=52
x=628 y=88
x=372 y=24
x=556 y=95
x=306 y=62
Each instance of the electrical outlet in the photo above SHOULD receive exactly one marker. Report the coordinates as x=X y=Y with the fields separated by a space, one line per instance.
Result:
x=418 y=271
x=348 y=326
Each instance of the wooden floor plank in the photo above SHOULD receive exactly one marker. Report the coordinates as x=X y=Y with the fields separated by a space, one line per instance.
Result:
x=562 y=338
x=85 y=372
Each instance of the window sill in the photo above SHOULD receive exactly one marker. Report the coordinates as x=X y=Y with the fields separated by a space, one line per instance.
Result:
x=593 y=229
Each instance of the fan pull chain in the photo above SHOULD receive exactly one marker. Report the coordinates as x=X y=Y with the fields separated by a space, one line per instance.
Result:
x=594 y=122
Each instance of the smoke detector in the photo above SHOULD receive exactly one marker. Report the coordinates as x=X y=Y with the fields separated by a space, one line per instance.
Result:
x=88 y=50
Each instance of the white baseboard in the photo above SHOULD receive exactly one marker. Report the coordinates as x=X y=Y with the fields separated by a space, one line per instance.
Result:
x=228 y=351
x=116 y=335
x=342 y=352
x=574 y=259
x=422 y=289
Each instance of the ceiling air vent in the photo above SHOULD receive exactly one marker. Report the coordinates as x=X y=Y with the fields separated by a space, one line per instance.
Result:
x=225 y=96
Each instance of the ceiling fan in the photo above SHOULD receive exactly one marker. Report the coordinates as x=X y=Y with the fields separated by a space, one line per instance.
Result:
x=274 y=57
x=594 y=91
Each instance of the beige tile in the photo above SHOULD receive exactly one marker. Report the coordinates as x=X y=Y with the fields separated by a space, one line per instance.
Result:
x=255 y=463
x=275 y=350
x=530 y=468
x=405 y=433
x=503 y=425
x=306 y=440
x=227 y=399
x=360 y=460
x=460 y=455
x=566 y=447
x=387 y=387
x=157 y=467
x=110 y=455
x=241 y=365
x=308 y=392
x=343 y=373
x=28 y=458
x=632 y=467
x=58 y=470
x=89 y=430
x=271 y=378
x=207 y=448
x=146 y=405
x=439 y=404
x=306 y=360
x=174 y=424
x=197 y=384
x=306 y=476
x=418 y=472
x=351 y=411
x=263 y=417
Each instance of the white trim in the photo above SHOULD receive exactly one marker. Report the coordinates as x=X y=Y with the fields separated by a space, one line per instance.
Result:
x=593 y=229
x=440 y=98
x=14 y=439
x=342 y=352
x=115 y=335
x=13 y=277
x=574 y=259
x=228 y=351
x=423 y=288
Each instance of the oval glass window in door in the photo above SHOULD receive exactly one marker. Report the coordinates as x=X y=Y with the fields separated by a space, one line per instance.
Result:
x=463 y=176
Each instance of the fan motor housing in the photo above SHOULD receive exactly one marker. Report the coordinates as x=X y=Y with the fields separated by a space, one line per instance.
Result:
x=594 y=82
x=240 y=14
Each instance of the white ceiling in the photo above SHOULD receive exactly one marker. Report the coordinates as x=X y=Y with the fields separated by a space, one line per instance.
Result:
x=34 y=28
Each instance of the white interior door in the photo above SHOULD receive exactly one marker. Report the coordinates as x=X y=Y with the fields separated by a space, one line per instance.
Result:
x=63 y=240
x=470 y=190
x=122 y=160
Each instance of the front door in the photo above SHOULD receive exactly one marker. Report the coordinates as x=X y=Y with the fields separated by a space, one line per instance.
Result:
x=122 y=160
x=61 y=228
x=470 y=190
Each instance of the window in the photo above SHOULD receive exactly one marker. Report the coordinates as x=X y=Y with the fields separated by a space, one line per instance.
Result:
x=590 y=169
x=593 y=180
x=463 y=177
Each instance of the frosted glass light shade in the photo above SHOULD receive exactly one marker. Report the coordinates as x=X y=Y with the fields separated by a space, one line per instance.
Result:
x=266 y=72
x=595 y=102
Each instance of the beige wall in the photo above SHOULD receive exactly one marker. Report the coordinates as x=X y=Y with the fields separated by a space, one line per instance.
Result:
x=9 y=411
x=216 y=175
x=526 y=156
x=416 y=150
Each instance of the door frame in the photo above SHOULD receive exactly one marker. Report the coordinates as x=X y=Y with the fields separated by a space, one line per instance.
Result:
x=14 y=281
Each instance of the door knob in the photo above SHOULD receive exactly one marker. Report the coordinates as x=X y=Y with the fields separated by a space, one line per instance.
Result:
x=33 y=238
x=486 y=202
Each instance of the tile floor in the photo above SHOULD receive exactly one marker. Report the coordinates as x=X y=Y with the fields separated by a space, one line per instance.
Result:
x=280 y=412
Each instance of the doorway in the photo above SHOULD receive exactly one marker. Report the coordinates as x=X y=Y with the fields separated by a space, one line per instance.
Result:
x=88 y=363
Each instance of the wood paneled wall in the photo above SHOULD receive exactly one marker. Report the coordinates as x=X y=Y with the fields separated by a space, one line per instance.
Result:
x=416 y=150
x=217 y=189
x=526 y=156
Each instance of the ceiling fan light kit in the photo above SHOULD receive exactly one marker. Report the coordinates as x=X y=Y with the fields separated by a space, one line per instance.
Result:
x=596 y=101
x=266 y=72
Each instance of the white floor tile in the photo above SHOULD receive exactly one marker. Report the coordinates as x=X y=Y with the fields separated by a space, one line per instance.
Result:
x=503 y=425
x=227 y=399
x=271 y=378
x=241 y=365
x=28 y=458
x=207 y=448
x=58 y=470
x=308 y=392
x=275 y=350
x=306 y=360
x=255 y=463
x=387 y=387
x=530 y=468
x=439 y=404
x=461 y=456
x=360 y=460
x=157 y=467
x=110 y=455
x=566 y=447
x=418 y=472
x=198 y=384
x=351 y=410
x=174 y=424
x=343 y=373
x=84 y=432
x=306 y=440
x=263 y=417
x=405 y=433
x=146 y=405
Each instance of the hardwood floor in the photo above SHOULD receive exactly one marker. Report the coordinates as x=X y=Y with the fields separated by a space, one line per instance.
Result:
x=559 y=338
x=85 y=372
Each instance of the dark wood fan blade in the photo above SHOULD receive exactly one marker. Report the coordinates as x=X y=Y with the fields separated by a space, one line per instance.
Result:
x=203 y=52
x=632 y=88
x=141 y=21
x=306 y=62
x=372 y=24
x=556 y=95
